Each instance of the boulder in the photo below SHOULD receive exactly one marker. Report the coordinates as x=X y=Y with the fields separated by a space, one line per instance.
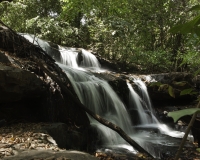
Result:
x=178 y=81
x=27 y=89
x=17 y=84
x=42 y=141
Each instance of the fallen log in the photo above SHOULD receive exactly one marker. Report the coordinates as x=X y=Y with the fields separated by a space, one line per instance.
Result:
x=95 y=116
x=41 y=63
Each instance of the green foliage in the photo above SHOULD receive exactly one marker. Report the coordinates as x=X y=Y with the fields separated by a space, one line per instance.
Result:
x=152 y=84
x=181 y=87
x=191 y=59
x=182 y=83
x=176 y=115
x=171 y=91
x=189 y=27
x=152 y=61
x=131 y=32
x=189 y=91
x=198 y=149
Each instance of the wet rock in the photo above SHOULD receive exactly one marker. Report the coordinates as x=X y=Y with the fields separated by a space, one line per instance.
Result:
x=79 y=57
x=3 y=58
x=27 y=91
x=173 y=76
x=53 y=51
x=161 y=97
x=118 y=83
x=66 y=138
x=2 y=122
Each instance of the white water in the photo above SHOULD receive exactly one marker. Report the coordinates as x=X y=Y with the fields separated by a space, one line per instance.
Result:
x=143 y=102
x=89 y=60
x=97 y=94
x=69 y=57
x=136 y=102
x=100 y=98
x=146 y=113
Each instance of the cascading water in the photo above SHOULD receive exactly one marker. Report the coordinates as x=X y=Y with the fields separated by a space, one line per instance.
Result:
x=136 y=102
x=89 y=60
x=141 y=102
x=69 y=57
x=98 y=96
x=146 y=113
x=145 y=96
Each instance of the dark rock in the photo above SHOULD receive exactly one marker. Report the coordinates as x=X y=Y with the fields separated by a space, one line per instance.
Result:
x=161 y=97
x=2 y=122
x=17 y=84
x=66 y=137
x=3 y=58
x=173 y=76
x=79 y=57
x=27 y=92
x=165 y=119
x=196 y=81
x=51 y=155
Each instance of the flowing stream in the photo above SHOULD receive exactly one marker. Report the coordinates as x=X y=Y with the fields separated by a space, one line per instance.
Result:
x=99 y=97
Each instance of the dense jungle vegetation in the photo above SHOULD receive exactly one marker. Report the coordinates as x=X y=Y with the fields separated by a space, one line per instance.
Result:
x=132 y=32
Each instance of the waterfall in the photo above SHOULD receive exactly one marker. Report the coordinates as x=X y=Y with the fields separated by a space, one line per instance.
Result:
x=141 y=102
x=97 y=95
x=136 y=102
x=89 y=60
x=146 y=112
x=69 y=57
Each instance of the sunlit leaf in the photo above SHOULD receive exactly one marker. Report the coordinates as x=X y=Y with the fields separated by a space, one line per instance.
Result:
x=186 y=91
x=163 y=87
x=155 y=84
x=196 y=7
x=182 y=83
x=171 y=91
x=198 y=149
x=197 y=30
x=176 y=115
x=187 y=27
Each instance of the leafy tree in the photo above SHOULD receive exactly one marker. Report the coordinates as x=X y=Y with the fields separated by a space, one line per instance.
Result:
x=132 y=32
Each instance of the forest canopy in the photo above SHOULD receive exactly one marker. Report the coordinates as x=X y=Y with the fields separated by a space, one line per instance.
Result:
x=132 y=32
